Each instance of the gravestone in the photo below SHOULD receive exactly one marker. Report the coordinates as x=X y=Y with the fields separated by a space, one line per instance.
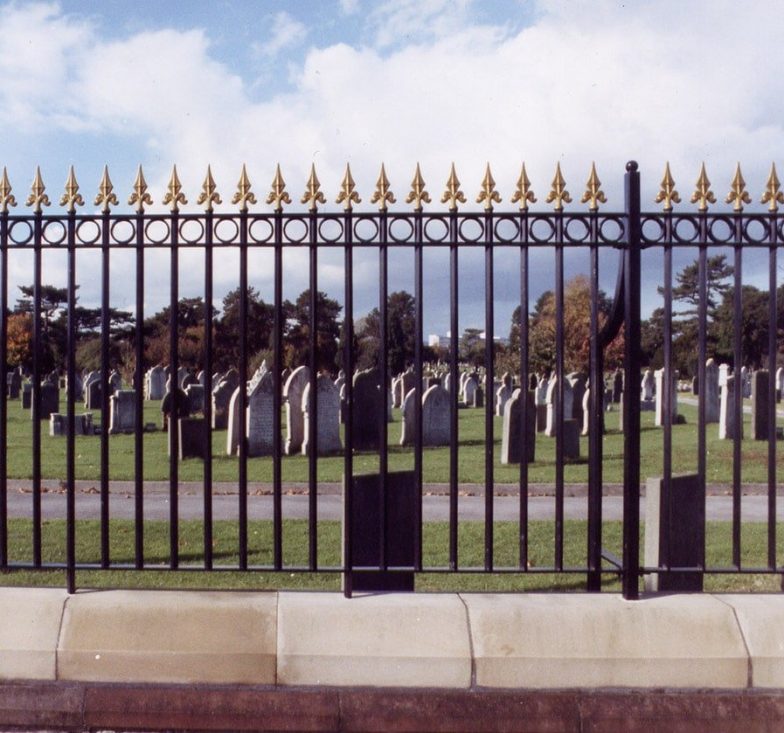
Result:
x=617 y=386
x=78 y=387
x=156 y=383
x=368 y=410
x=779 y=383
x=448 y=382
x=328 y=417
x=182 y=375
x=470 y=385
x=260 y=414
x=571 y=439
x=659 y=416
x=50 y=400
x=83 y=424
x=512 y=433
x=724 y=373
x=760 y=428
x=221 y=395
x=586 y=412
x=541 y=391
x=188 y=380
x=566 y=408
x=93 y=391
x=201 y=378
x=292 y=394
x=27 y=396
x=502 y=396
x=435 y=416
x=577 y=382
x=167 y=406
x=727 y=411
x=115 y=381
x=122 y=412
x=695 y=384
x=195 y=394
x=397 y=399
x=533 y=380
x=745 y=377
x=14 y=384
x=647 y=386
x=233 y=424
x=711 y=392
x=679 y=526
x=479 y=398
x=193 y=438
x=406 y=383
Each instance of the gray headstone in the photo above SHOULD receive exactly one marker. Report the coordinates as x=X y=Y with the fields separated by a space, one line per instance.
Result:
x=502 y=396
x=167 y=407
x=195 y=394
x=577 y=382
x=221 y=395
x=659 y=416
x=260 y=415
x=511 y=436
x=122 y=411
x=647 y=386
x=760 y=427
x=156 y=383
x=571 y=439
x=115 y=381
x=83 y=424
x=93 y=391
x=617 y=386
x=566 y=408
x=193 y=438
x=27 y=396
x=367 y=414
x=14 y=384
x=50 y=400
x=328 y=417
x=711 y=392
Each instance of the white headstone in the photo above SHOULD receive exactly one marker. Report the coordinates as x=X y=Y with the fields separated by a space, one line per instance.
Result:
x=552 y=390
x=727 y=411
x=710 y=392
x=292 y=394
x=659 y=414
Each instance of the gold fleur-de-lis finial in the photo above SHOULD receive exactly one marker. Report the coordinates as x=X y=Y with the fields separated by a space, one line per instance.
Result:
x=38 y=197
x=209 y=192
x=105 y=197
x=244 y=195
x=453 y=194
x=738 y=194
x=488 y=194
x=6 y=197
x=772 y=195
x=703 y=195
x=418 y=194
x=593 y=195
x=140 y=197
x=278 y=195
x=71 y=198
x=382 y=195
x=347 y=193
x=523 y=192
x=174 y=196
x=558 y=193
x=668 y=194
x=313 y=195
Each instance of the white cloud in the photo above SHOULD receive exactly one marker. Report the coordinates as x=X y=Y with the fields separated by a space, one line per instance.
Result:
x=285 y=32
x=349 y=7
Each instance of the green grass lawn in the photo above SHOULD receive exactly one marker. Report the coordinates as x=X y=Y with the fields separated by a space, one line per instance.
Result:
x=295 y=544
x=436 y=460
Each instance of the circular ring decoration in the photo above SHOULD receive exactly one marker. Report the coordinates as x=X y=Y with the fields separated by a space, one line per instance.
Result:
x=470 y=221
x=759 y=223
x=433 y=222
x=290 y=230
x=680 y=231
x=84 y=226
x=116 y=231
x=225 y=230
x=330 y=229
x=366 y=229
x=611 y=229
x=261 y=230
x=721 y=229
x=576 y=237
x=157 y=225
x=191 y=230
x=17 y=239
x=537 y=224
x=504 y=224
x=54 y=232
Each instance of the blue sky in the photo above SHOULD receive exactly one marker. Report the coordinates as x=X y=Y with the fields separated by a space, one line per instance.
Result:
x=398 y=81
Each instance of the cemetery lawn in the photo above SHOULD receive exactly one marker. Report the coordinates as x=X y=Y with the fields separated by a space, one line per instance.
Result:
x=295 y=548
x=436 y=460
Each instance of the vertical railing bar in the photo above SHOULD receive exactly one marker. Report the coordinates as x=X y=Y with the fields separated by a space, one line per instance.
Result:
x=631 y=402
x=666 y=396
x=702 y=336
x=242 y=397
x=36 y=394
x=174 y=363
x=105 y=335
x=207 y=365
x=489 y=396
x=348 y=403
x=70 y=451
x=596 y=421
x=737 y=396
x=138 y=386
x=453 y=388
x=524 y=379
x=4 y=389
x=313 y=403
x=277 y=347
x=420 y=389
x=772 y=429
x=559 y=390
x=383 y=457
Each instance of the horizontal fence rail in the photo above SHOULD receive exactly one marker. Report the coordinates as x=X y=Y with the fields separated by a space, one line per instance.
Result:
x=631 y=233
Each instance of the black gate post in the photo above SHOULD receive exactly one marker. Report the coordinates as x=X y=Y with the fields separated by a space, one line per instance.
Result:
x=631 y=397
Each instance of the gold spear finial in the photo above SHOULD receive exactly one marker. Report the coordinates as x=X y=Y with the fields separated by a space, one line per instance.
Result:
x=278 y=195
x=38 y=197
x=174 y=196
x=6 y=197
x=382 y=195
x=453 y=194
x=105 y=197
x=558 y=193
x=593 y=195
x=209 y=192
x=244 y=195
x=668 y=194
x=738 y=193
x=347 y=193
x=140 y=197
x=772 y=195
x=488 y=194
x=313 y=195
x=703 y=195
x=418 y=194
x=523 y=192
x=71 y=198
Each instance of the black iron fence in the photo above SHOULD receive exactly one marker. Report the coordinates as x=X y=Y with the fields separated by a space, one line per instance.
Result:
x=520 y=230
